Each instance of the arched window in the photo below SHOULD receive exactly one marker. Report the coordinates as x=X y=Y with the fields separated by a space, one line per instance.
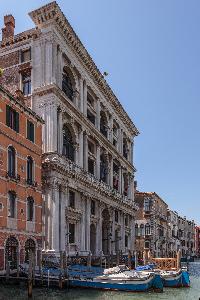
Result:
x=12 y=251
x=136 y=230
x=29 y=247
x=67 y=86
x=30 y=209
x=147 y=229
x=142 y=229
x=11 y=204
x=68 y=144
x=11 y=161
x=30 y=170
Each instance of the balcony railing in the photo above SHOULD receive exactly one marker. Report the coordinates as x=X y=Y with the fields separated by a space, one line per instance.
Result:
x=85 y=176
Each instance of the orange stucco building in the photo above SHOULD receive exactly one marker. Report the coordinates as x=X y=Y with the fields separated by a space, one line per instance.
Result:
x=20 y=180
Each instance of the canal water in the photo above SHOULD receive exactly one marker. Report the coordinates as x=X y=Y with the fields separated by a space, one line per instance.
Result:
x=192 y=293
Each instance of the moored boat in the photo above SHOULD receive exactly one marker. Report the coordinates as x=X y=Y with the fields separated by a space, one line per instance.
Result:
x=118 y=279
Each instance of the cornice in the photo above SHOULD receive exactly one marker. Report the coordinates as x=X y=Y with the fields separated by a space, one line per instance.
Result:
x=51 y=13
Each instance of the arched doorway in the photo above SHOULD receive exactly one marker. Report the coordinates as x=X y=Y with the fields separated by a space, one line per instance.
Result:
x=106 y=231
x=92 y=238
x=12 y=247
x=29 y=247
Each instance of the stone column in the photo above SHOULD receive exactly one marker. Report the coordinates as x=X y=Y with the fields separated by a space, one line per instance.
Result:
x=113 y=238
x=60 y=131
x=122 y=233
x=81 y=144
x=83 y=222
x=59 y=69
x=111 y=172
x=99 y=229
x=48 y=62
x=85 y=98
x=50 y=118
x=85 y=151
x=98 y=113
x=81 y=84
x=55 y=218
x=120 y=180
x=54 y=62
x=98 y=152
x=87 y=227
x=63 y=219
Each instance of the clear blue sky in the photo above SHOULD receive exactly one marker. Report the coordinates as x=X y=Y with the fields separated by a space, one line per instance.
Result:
x=151 y=50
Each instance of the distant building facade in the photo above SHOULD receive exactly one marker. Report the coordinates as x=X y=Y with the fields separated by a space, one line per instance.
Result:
x=20 y=180
x=197 y=241
x=151 y=224
x=186 y=236
x=88 y=139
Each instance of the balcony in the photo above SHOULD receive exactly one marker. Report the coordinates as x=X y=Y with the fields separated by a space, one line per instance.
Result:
x=73 y=170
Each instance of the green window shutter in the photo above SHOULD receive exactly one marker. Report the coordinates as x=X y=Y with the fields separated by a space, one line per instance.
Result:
x=17 y=121
x=8 y=115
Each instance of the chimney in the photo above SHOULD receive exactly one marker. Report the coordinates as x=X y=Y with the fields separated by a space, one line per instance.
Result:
x=8 y=30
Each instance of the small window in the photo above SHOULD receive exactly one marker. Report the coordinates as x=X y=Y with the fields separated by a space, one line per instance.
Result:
x=12 y=204
x=26 y=83
x=126 y=241
x=147 y=245
x=116 y=216
x=71 y=199
x=71 y=233
x=26 y=55
x=91 y=117
x=30 y=209
x=30 y=131
x=11 y=162
x=30 y=170
x=12 y=118
x=93 y=207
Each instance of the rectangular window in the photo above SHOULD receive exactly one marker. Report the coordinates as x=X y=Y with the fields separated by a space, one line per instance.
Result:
x=71 y=199
x=26 y=83
x=26 y=55
x=30 y=131
x=11 y=207
x=71 y=233
x=12 y=118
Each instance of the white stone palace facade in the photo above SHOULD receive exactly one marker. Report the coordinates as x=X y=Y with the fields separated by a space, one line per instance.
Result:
x=88 y=139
